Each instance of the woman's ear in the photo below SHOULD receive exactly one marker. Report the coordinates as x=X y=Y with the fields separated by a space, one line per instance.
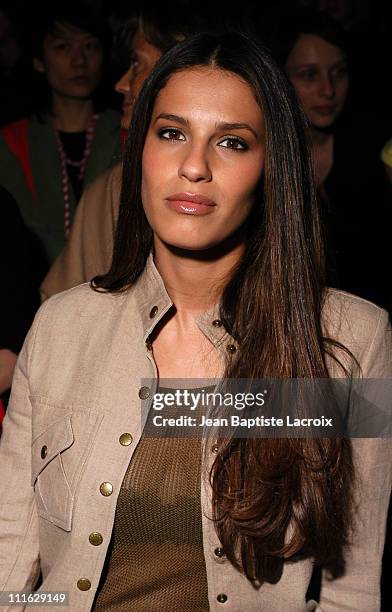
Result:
x=38 y=65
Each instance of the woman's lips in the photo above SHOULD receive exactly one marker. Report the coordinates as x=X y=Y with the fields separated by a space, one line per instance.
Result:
x=125 y=109
x=127 y=105
x=82 y=78
x=324 y=110
x=191 y=203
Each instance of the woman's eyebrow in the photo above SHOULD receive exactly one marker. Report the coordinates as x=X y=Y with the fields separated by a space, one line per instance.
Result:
x=236 y=126
x=175 y=118
x=224 y=126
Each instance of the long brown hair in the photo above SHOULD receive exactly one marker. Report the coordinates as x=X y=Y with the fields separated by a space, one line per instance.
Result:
x=272 y=307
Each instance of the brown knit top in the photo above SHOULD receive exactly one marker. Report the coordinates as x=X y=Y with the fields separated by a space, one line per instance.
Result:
x=155 y=560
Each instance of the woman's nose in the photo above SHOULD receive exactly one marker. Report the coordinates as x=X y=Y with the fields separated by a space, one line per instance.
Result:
x=78 y=56
x=123 y=84
x=327 y=86
x=195 y=166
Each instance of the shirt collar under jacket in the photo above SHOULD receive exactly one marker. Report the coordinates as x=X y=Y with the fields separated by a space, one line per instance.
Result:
x=154 y=302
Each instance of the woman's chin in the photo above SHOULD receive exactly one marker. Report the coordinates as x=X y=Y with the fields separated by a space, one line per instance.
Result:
x=201 y=247
x=323 y=123
x=191 y=246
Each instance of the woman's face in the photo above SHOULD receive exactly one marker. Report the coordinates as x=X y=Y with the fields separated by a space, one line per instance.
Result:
x=203 y=158
x=318 y=71
x=72 y=60
x=144 y=56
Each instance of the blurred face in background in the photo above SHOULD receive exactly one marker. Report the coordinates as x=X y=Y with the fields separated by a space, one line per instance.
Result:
x=318 y=72
x=71 y=61
x=144 y=56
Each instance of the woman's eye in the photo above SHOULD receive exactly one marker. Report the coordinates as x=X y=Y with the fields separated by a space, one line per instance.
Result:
x=171 y=134
x=61 y=46
x=234 y=143
x=93 y=45
x=308 y=75
x=340 y=72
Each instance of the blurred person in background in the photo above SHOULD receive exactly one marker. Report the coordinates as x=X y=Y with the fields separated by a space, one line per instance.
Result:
x=47 y=159
x=140 y=42
x=368 y=28
x=352 y=186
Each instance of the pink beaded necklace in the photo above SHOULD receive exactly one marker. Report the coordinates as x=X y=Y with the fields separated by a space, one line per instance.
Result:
x=81 y=164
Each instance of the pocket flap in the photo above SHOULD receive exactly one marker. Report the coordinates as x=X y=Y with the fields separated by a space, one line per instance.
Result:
x=55 y=439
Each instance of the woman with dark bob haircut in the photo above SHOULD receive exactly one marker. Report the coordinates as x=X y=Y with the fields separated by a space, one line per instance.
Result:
x=217 y=273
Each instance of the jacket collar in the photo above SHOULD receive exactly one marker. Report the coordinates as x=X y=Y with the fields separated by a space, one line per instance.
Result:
x=154 y=302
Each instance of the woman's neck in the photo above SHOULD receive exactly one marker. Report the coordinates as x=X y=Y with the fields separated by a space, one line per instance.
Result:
x=194 y=281
x=320 y=138
x=71 y=115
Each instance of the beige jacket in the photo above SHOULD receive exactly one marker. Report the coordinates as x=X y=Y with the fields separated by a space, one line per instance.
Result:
x=75 y=393
x=88 y=251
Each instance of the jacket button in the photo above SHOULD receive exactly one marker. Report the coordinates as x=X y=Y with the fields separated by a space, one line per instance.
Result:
x=125 y=439
x=106 y=488
x=231 y=348
x=217 y=323
x=215 y=448
x=95 y=538
x=44 y=452
x=222 y=598
x=153 y=312
x=219 y=552
x=84 y=584
x=144 y=393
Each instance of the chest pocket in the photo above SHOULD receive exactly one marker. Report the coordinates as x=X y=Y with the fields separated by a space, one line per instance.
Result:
x=59 y=454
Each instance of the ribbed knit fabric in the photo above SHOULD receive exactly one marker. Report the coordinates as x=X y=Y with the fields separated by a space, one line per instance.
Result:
x=155 y=560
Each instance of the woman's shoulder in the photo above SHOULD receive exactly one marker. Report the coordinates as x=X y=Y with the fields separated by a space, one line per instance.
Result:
x=337 y=302
x=359 y=325
x=72 y=320
x=82 y=298
x=80 y=308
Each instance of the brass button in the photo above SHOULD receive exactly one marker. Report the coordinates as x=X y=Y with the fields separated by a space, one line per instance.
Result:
x=95 y=538
x=106 y=489
x=84 y=584
x=217 y=323
x=44 y=452
x=231 y=348
x=215 y=448
x=222 y=598
x=153 y=311
x=144 y=393
x=125 y=439
x=219 y=552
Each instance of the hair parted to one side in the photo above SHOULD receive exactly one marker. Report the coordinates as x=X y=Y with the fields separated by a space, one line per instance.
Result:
x=260 y=487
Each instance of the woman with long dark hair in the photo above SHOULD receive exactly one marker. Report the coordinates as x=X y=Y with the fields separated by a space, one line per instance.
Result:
x=217 y=272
